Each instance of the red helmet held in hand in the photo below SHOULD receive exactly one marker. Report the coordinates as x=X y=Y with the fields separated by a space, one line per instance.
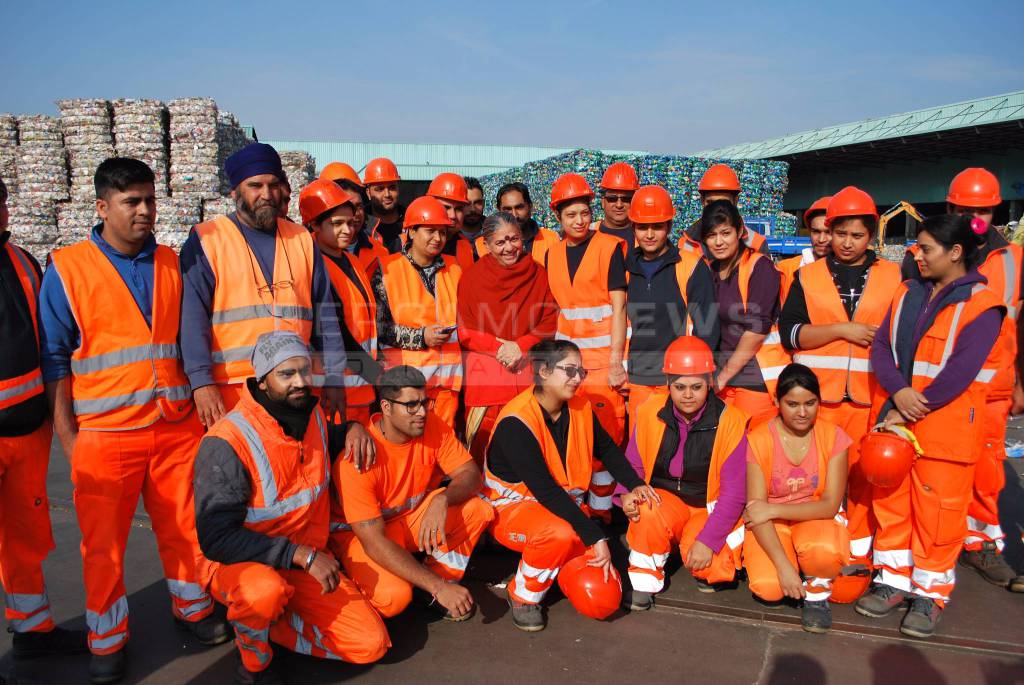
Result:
x=587 y=590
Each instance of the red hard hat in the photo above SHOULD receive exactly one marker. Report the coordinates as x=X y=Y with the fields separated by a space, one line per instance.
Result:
x=449 y=186
x=320 y=196
x=820 y=205
x=719 y=177
x=974 y=187
x=885 y=458
x=381 y=170
x=651 y=205
x=587 y=590
x=848 y=589
x=850 y=201
x=335 y=171
x=620 y=176
x=570 y=187
x=426 y=211
x=688 y=356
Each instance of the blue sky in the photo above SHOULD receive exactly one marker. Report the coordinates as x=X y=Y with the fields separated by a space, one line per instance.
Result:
x=670 y=77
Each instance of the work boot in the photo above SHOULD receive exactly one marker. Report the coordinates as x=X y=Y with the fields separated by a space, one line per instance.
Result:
x=989 y=564
x=922 y=618
x=57 y=642
x=704 y=586
x=880 y=601
x=527 y=617
x=638 y=600
x=212 y=630
x=106 y=668
x=816 y=617
x=1017 y=584
x=267 y=676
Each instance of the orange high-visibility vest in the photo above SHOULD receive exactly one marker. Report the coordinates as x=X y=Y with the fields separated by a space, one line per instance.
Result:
x=585 y=305
x=1002 y=268
x=574 y=476
x=411 y=305
x=752 y=239
x=952 y=432
x=542 y=242
x=787 y=269
x=360 y=317
x=596 y=226
x=762 y=447
x=124 y=375
x=289 y=496
x=688 y=261
x=244 y=305
x=844 y=369
x=464 y=256
x=772 y=357
x=14 y=391
x=368 y=256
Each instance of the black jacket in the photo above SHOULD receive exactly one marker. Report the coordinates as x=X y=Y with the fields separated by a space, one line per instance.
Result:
x=692 y=487
x=19 y=348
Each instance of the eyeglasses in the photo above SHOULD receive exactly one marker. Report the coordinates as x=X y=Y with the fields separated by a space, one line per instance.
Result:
x=616 y=199
x=413 y=406
x=572 y=371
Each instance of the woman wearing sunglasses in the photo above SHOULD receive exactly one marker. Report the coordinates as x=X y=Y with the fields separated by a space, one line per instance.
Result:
x=539 y=465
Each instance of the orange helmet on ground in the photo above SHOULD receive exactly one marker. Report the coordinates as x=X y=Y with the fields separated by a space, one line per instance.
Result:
x=688 y=356
x=320 y=196
x=974 y=187
x=381 y=170
x=847 y=589
x=719 y=177
x=820 y=205
x=449 y=186
x=570 y=187
x=620 y=176
x=426 y=211
x=850 y=201
x=651 y=205
x=335 y=171
x=886 y=458
x=587 y=590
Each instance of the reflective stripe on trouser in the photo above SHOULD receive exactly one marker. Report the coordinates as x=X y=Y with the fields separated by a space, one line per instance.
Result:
x=672 y=523
x=755 y=403
x=818 y=549
x=25 y=534
x=989 y=479
x=546 y=542
x=921 y=527
x=110 y=470
x=288 y=607
x=602 y=487
x=388 y=593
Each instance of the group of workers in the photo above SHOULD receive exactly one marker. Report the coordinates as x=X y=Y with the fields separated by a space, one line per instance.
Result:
x=324 y=419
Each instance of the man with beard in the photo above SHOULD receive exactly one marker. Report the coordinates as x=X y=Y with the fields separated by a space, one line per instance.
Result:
x=248 y=273
x=263 y=512
x=514 y=198
x=381 y=181
x=473 y=213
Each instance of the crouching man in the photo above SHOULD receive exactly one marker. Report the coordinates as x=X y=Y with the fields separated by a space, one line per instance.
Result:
x=263 y=513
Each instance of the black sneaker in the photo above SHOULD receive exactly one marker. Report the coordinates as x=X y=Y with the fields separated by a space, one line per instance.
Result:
x=880 y=601
x=106 y=668
x=267 y=676
x=638 y=600
x=527 y=617
x=704 y=586
x=989 y=564
x=816 y=617
x=57 y=642
x=922 y=618
x=210 y=631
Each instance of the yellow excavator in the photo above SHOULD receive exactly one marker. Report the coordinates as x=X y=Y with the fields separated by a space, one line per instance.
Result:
x=893 y=212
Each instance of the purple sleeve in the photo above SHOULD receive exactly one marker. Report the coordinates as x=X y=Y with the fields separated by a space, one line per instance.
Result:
x=732 y=497
x=763 y=297
x=633 y=457
x=198 y=284
x=882 y=363
x=969 y=354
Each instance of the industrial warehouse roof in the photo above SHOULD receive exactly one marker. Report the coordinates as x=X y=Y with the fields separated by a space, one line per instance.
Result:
x=1005 y=112
x=423 y=161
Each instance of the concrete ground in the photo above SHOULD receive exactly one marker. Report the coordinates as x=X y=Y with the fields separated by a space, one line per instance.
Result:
x=723 y=638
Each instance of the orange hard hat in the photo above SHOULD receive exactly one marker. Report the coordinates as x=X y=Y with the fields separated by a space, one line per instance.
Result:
x=974 y=187
x=719 y=177
x=335 y=171
x=651 y=205
x=850 y=201
x=885 y=458
x=320 y=196
x=426 y=211
x=587 y=590
x=449 y=186
x=381 y=170
x=820 y=205
x=688 y=356
x=848 y=589
x=570 y=187
x=620 y=176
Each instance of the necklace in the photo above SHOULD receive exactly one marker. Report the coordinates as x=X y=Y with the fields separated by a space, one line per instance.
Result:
x=793 y=444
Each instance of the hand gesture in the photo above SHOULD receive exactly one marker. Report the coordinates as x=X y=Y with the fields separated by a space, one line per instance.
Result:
x=359 y=447
x=911 y=403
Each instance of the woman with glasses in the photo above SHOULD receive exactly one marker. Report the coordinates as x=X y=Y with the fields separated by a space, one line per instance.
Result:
x=505 y=308
x=539 y=466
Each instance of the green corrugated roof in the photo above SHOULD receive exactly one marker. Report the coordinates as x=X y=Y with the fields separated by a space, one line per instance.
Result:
x=990 y=110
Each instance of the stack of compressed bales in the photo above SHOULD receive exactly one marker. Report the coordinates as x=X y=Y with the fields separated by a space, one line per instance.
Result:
x=214 y=208
x=87 y=138
x=195 y=162
x=42 y=176
x=140 y=132
x=33 y=223
x=175 y=217
x=230 y=139
x=9 y=152
x=300 y=168
x=75 y=220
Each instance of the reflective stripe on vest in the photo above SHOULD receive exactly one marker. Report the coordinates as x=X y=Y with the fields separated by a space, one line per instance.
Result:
x=14 y=391
x=359 y=316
